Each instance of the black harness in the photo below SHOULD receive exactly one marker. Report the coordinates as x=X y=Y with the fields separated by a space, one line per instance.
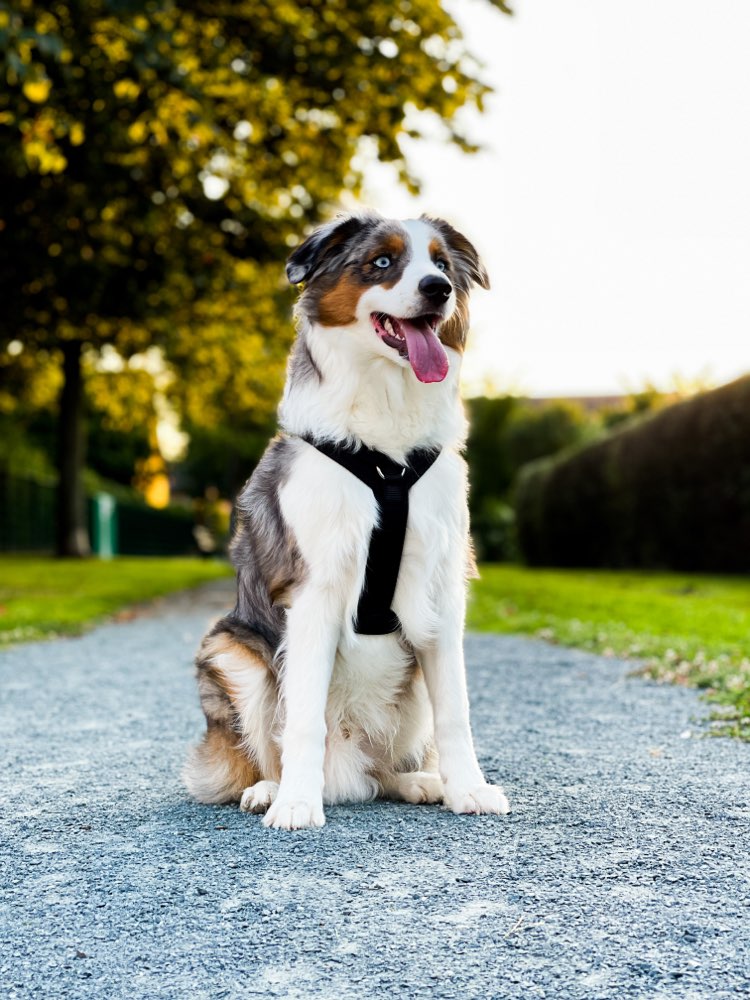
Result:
x=390 y=483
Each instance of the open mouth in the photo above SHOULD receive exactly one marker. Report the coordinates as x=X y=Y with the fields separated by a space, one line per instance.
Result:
x=416 y=340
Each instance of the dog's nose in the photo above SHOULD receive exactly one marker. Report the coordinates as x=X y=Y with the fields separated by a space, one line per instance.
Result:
x=437 y=290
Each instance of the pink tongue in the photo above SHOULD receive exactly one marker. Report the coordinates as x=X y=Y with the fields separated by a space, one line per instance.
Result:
x=426 y=354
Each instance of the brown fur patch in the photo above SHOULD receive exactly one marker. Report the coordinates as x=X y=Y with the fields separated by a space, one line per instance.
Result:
x=217 y=643
x=436 y=247
x=392 y=244
x=338 y=307
x=453 y=332
x=218 y=769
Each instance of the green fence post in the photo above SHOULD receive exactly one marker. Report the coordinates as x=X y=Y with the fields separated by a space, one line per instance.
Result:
x=105 y=525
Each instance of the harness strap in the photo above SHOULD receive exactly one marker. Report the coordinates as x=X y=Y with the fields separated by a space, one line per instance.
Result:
x=390 y=482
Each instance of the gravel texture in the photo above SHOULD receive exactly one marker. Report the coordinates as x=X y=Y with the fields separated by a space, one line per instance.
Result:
x=622 y=871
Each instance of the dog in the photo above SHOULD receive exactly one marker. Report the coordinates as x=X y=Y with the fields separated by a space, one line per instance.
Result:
x=339 y=675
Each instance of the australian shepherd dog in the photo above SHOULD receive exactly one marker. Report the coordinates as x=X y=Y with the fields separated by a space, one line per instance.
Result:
x=304 y=703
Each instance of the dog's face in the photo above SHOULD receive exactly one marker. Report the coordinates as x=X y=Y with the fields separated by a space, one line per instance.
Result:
x=399 y=288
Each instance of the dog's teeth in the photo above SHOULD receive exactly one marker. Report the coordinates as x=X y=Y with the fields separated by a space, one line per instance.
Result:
x=389 y=327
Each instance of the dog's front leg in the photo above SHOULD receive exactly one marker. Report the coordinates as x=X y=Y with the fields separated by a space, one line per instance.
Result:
x=311 y=639
x=466 y=790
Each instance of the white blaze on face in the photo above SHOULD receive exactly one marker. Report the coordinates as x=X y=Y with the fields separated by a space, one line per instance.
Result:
x=402 y=317
x=421 y=265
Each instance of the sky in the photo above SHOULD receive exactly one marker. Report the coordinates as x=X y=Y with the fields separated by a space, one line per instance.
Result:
x=611 y=201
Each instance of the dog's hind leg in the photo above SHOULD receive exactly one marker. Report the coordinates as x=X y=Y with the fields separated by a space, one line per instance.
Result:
x=238 y=697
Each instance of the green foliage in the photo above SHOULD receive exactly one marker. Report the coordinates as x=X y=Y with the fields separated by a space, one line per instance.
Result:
x=21 y=455
x=545 y=430
x=222 y=457
x=506 y=433
x=689 y=629
x=486 y=452
x=147 y=148
x=671 y=490
x=29 y=386
x=120 y=413
x=638 y=404
x=41 y=597
x=493 y=529
x=159 y=159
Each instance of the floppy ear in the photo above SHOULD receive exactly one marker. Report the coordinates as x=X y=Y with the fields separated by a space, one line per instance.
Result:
x=463 y=251
x=323 y=247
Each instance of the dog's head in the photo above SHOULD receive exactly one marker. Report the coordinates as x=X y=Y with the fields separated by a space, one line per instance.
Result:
x=400 y=288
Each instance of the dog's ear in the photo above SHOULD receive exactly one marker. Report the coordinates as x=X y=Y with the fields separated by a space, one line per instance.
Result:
x=464 y=253
x=324 y=248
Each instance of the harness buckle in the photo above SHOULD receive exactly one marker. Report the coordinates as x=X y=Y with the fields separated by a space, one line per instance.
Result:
x=383 y=476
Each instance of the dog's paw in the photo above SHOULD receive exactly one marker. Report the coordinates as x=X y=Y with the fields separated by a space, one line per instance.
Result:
x=258 y=797
x=419 y=787
x=294 y=814
x=481 y=800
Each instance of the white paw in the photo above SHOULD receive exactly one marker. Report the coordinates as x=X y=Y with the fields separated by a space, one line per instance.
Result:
x=258 y=797
x=419 y=787
x=294 y=814
x=480 y=800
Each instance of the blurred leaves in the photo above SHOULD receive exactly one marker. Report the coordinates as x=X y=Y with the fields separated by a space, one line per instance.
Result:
x=506 y=432
x=159 y=159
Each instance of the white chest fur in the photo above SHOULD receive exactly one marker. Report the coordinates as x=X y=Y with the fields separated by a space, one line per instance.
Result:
x=332 y=515
x=368 y=398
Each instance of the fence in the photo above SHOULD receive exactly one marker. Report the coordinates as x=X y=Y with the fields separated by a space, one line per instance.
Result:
x=27 y=522
x=27 y=514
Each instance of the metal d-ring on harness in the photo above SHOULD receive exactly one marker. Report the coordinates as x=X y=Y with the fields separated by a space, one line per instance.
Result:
x=390 y=482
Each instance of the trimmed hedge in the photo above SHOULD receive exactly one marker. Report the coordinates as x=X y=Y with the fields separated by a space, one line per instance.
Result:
x=671 y=491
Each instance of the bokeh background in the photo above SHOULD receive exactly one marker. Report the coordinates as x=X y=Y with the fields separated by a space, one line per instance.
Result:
x=159 y=160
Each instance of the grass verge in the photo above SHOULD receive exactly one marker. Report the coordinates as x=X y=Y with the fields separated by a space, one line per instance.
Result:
x=43 y=597
x=688 y=628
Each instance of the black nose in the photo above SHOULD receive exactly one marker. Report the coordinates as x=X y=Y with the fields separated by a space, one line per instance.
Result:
x=435 y=289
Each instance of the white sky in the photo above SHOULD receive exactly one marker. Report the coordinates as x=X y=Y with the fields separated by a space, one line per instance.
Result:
x=612 y=203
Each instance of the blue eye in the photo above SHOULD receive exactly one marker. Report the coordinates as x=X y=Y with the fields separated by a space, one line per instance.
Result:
x=441 y=265
x=382 y=261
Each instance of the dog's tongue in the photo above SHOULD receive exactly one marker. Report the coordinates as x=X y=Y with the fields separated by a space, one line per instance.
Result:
x=426 y=354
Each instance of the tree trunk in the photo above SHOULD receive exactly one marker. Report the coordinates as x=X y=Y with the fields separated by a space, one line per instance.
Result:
x=72 y=522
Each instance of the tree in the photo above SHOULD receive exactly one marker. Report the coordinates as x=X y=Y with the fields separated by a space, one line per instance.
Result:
x=157 y=158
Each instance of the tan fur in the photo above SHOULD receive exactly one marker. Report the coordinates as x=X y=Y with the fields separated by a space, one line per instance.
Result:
x=453 y=331
x=338 y=306
x=393 y=244
x=436 y=247
x=218 y=770
x=282 y=587
x=215 y=644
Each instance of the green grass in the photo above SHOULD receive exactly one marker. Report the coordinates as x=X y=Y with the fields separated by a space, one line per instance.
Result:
x=42 y=597
x=690 y=629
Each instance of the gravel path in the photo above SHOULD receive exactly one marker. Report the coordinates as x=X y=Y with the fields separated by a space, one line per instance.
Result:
x=622 y=872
